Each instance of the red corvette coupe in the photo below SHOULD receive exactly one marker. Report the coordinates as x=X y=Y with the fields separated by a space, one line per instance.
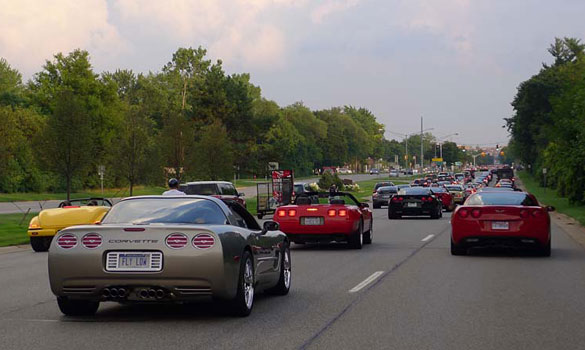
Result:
x=501 y=218
x=342 y=219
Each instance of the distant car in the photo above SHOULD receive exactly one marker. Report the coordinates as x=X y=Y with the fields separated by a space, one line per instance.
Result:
x=218 y=189
x=457 y=192
x=344 y=171
x=415 y=201
x=43 y=227
x=382 y=196
x=445 y=197
x=394 y=173
x=169 y=249
x=374 y=171
x=502 y=219
x=382 y=184
x=343 y=219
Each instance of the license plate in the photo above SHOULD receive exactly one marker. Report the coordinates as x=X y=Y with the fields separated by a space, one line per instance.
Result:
x=412 y=204
x=500 y=225
x=134 y=261
x=312 y=221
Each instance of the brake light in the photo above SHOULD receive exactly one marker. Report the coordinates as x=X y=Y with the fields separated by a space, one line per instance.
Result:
x=91 y=240
x=203 y=241
x=312 y=209
x=536 y=213
x=281 y=213
x=463 y=213
x=342 y=212
x=331 y=212
x=33 y=227
x=292 y=212
x=476 y=213
x=67 y=241
x=176 y=241
x=524 y=213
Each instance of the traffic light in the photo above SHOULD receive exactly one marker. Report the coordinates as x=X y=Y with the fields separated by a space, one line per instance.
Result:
x=502 y=153
x=497 y=146
x=483 y=154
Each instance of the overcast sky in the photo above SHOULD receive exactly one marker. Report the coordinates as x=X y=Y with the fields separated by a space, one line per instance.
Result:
x=457 y=63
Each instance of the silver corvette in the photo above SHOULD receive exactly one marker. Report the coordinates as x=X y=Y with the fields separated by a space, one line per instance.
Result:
x=169 y=249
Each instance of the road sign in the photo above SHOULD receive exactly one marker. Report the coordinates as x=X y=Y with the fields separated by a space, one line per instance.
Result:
x=544 y=170
x=440 y=160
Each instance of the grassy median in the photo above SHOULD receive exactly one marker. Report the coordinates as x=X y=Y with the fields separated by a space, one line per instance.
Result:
x=13 y=228
x=108 y=193
x=549 y=196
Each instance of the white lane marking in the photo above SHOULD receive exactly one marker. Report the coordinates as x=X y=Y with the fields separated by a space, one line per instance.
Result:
x=427 y=238
x=367 y=281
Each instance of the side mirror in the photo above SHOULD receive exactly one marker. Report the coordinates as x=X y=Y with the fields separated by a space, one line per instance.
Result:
x=551 y=208
x=241 y=194
x=364 y=205
x=271 y=226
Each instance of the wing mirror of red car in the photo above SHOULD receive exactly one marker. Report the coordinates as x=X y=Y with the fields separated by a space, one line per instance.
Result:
x=270 y=226
x=551 y=208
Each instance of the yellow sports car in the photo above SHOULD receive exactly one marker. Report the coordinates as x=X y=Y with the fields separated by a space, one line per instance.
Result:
x=49 y=222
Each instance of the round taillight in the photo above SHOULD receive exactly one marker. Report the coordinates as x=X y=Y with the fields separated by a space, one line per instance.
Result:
x=463 y=213
x=91 y=240
x=67 y=241
x=537 y=213
x=176 y=241
x=203 y=241
x=476 y=213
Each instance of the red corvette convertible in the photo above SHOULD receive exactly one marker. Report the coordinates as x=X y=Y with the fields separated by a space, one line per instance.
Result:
x=342 y=219
x=501 y=218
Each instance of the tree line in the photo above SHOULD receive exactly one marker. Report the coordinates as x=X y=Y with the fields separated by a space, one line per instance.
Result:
x=548 y=125
x=190 y=120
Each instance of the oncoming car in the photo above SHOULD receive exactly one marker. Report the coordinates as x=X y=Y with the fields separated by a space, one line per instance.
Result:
x=501 y=218
x=169 y=249
x=84 y=211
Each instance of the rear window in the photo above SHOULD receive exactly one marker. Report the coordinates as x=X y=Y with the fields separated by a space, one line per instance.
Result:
x=415 y=191
x=202 y=189
x=382 y=184
x=454 y=188
x=387 y=189
x=166 y=210
x=501 y=198
x=438 y=190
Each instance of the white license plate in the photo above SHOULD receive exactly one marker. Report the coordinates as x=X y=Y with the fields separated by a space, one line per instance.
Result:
x=412 y=204
x=500 y=225
x=134 y=261
x=312 y=221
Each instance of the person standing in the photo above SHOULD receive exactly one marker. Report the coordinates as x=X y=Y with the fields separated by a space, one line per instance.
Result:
x=173 y=189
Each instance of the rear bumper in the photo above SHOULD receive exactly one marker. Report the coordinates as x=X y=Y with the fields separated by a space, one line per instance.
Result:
x=501 y=242
x=380 y=202
x=336 y=228
x=500 y=238
x=322 y=238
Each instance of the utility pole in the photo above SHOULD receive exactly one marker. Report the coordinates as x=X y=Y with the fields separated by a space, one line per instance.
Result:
x=421 y=145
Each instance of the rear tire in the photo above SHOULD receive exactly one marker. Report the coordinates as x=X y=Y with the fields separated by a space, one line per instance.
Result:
x=284 y=281
x=368 y=236
x=356 y=239
x=77 y=307
x=437 y=213
x=545 y=250
x=243 y=303
x=457 y=249
x=40 y=244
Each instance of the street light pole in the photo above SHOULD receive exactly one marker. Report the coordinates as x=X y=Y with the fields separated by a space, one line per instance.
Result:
x=421 y=145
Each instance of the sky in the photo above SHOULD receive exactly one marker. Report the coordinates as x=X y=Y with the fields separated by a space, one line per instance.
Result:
x=456 y=63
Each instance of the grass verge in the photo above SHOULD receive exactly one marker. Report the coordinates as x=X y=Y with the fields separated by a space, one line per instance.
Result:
x=550 y=197
x=13 y=229
x=108 y=193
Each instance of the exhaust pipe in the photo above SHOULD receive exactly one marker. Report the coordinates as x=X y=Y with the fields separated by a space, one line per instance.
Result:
x=114 y=292
x=151 y=293
x=160 y=293
x=143 y=293
x=106 y=293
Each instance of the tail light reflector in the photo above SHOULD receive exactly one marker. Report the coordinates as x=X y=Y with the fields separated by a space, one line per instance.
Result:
x=176 y=241
x=463 y=213
x=91 y=240
x=67 y=241
x=524 y=213
x=476 y=213
x=292 y=212
x=281 y=213
x=537 y=213
x=203 y=241
x=342 y=212
x=331 y=212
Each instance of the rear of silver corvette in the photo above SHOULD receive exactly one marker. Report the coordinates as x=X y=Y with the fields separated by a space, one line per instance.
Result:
x=140 y=263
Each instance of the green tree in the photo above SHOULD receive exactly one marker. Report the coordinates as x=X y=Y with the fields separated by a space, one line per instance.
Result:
x=11 y=88
x=213 y=157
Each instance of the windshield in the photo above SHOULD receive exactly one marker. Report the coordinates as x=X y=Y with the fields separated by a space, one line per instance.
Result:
x=501 y=198
x=166 y=210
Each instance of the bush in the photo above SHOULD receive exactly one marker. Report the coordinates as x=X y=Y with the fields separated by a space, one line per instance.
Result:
x=328 y=179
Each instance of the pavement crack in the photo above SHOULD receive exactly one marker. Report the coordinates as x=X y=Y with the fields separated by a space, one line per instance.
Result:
x=361 y=295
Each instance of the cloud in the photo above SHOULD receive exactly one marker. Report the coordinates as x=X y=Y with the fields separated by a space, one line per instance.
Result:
x=33 y=31
x=330 y=6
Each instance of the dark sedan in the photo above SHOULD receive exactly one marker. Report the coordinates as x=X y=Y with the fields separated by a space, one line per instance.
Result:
x=383 y=195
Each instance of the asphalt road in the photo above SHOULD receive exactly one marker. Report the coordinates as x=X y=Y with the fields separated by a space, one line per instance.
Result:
x=36 y=206
x=420 y=297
